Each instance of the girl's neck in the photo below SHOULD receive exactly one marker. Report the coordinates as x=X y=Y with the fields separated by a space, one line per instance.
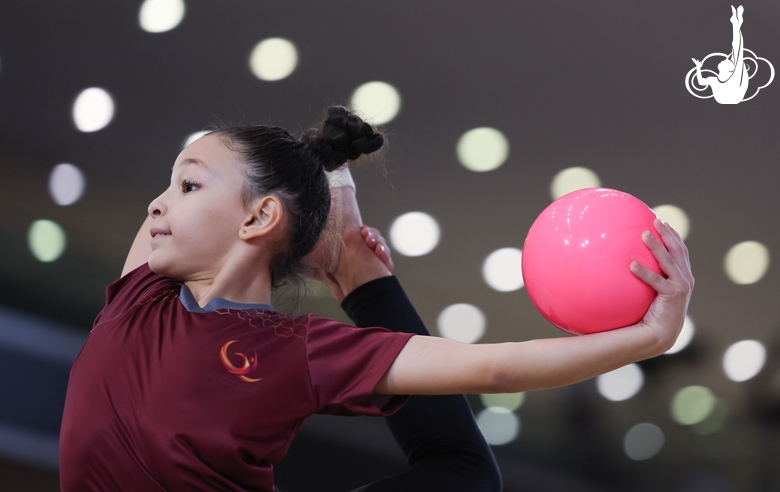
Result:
x=238 y=283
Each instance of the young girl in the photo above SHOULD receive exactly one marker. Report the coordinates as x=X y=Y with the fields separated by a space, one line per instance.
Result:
x=189 y=380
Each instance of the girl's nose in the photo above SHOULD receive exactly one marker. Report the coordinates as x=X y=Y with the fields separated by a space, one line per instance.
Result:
x=156 y=208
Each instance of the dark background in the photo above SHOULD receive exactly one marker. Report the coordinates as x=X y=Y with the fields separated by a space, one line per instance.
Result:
x=598 y=84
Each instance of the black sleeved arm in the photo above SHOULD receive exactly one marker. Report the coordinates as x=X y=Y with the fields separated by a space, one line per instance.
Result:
x=442 y=443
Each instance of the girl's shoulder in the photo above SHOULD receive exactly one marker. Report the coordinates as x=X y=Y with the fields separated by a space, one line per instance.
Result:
x=133 y=289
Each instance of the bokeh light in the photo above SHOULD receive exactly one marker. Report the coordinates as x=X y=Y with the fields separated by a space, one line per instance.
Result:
x=621 y=384
x=194 y=136
x=414 y=234
x=376 y=102
x=692 y=405
x=715 y=420
x=273 y=59
x=160 y=15
x=685 y=336
x=46 y=240
x=66 y=184
x=573 y=179
x=462 y=322
x=498 y=425
x=643 y=441
x=93 y=109
x=509 y=401
x=503 y=270
x=747 y=262
x=744 y=359
x=676 y=218
x=482 y=149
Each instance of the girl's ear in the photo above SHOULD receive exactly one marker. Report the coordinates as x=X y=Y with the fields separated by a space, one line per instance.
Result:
x=266 y=218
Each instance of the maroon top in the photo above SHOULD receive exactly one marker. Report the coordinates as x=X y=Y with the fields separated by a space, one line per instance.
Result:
x=166 y=397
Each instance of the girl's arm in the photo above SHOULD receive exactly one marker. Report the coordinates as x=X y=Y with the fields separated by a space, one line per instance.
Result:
x=141 y=248
x=430 y=365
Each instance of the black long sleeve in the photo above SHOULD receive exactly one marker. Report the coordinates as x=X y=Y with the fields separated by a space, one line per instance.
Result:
x=442 y=443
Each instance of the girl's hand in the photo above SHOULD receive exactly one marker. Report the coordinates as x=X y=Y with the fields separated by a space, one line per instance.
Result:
x=667 y=312
x=364 y=256
x=375 y=241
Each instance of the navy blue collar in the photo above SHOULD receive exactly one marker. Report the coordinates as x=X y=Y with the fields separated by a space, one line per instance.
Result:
x=189 y=302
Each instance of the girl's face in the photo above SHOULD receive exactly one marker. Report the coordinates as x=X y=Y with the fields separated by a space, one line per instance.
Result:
x=201 y=214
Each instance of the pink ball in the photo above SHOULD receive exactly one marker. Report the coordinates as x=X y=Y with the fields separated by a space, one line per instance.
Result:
x=576 y=261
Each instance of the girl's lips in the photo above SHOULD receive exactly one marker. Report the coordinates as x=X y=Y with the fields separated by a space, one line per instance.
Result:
x=158 y=233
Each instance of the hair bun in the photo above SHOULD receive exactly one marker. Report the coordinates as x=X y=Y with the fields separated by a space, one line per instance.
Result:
x=343 y=137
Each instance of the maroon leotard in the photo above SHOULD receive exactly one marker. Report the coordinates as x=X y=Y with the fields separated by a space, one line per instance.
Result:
x=164 y=398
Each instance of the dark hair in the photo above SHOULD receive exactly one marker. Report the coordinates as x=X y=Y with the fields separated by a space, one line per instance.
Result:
x=293 y=169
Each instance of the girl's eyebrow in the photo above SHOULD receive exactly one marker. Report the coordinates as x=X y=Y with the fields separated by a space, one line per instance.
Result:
x=191 y=160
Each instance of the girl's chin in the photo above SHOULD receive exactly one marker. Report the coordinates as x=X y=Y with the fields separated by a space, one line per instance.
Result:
x=160 y=266
x=165 y=267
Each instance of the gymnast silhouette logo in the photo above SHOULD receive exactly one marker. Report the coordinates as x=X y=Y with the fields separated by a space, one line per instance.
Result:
x=730 y=84
x=249 y=363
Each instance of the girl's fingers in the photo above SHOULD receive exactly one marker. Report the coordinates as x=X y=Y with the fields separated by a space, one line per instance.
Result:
x=384 y=254
x=664 y=257
x=375 y=241
x=677 y=244
x=683 y=247
x=381 y=249
x=687 y=264
x=657 y=282
x=380 y=241
x=373 y=237
x=369 y=236
x=676 y=247
x=673 y=262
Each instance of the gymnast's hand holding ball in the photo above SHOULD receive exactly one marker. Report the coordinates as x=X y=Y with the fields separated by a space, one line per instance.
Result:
x=594 y=261
x=587 y=270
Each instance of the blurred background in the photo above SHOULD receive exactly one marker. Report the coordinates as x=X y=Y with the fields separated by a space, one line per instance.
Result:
x=493 y=109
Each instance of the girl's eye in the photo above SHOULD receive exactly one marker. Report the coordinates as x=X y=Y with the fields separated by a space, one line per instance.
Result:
x=187 y=186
